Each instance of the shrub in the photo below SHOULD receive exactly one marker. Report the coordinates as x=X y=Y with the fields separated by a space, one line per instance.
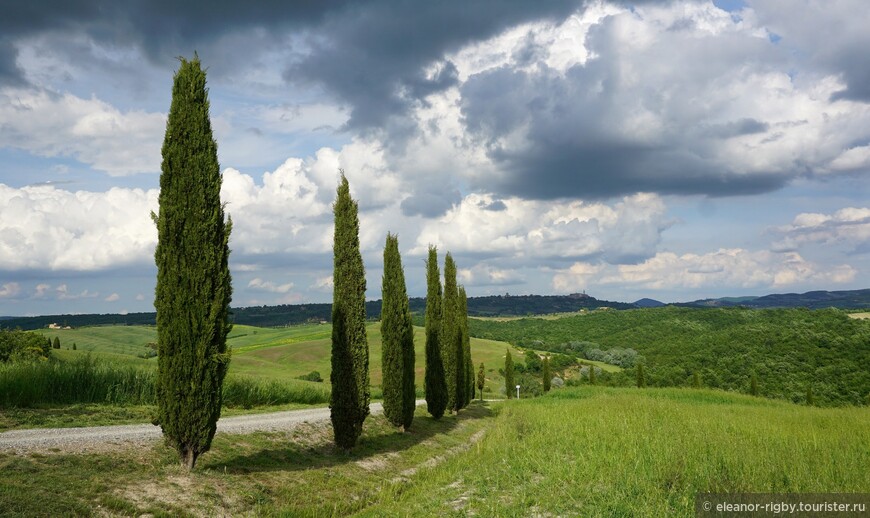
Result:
x=311 y=376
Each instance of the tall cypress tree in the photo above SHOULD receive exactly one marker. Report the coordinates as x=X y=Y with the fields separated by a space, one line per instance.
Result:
x=397 y=335
x=349 y=402
x=451 y=335
x=193 y=290
x=467 y=368
x=435 y=384
x=509 y=375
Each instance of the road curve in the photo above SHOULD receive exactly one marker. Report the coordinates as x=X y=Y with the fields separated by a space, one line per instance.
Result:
x=100 y=437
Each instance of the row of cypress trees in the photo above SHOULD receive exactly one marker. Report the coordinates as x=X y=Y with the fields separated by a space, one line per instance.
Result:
x=194 y=290
x=449 y=368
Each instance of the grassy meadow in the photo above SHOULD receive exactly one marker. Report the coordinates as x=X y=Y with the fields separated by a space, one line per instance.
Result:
x=106 y=379
x=589 y=451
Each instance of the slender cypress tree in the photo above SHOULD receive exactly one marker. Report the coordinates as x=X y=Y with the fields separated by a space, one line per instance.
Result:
x=468 y=365
x=591 y=374
x=481 y=380
x=509 y=375
x=193 y=290
x=696 y=380
x=461 y=353
x=349 y=402
x=435 y=384
x=396 y=333
x=56 y=343
x=547 y=374
x=409 y=398
x=641 y=379
x=451 y=335
x=810 y=399
x=753 y=385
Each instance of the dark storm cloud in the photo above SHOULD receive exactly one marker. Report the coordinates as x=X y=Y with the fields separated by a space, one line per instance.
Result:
x=372 y=57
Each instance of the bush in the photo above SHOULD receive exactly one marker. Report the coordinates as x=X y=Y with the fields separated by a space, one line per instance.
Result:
x=311 y=376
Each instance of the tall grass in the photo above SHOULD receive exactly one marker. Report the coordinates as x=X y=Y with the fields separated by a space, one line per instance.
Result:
x=90 y=380
x=628 y=452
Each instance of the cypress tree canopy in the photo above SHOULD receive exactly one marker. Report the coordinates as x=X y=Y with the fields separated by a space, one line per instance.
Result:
x=509 y=375
x=434 y=383
x=193 y=290
x=349 y=402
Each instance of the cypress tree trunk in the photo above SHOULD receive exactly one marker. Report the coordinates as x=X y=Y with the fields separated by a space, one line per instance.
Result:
x=349 y=401
x=509 y=375
x=193 y=290
x=396 y=333
x=435 y=384
x=451 y=336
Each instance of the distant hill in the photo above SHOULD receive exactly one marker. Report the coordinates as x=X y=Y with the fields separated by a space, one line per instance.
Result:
x=291 y=314
x=851 y=299
x=649 y=303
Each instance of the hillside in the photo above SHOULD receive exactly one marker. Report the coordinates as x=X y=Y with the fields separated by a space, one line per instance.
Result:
x=293 y=314
x=790 y=351
x=851 y=299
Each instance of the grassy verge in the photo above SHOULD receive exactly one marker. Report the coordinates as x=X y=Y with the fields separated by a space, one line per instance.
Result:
x=296 y=473
x=629 y=452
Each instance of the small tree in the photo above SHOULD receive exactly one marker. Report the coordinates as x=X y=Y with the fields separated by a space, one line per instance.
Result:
x=56 y=344
x=592 y=374
x=810 y=399
x=696 y=380
x=753 y=385
x=509 y=375
x=481 y=380
x=74 y=346
x=547 y=373
x=641 y=379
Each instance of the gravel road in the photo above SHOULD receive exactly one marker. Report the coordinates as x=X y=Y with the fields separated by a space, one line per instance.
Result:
x=96 y=438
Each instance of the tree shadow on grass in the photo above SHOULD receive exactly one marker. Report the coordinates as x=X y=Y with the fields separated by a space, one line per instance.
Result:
x=301 y=452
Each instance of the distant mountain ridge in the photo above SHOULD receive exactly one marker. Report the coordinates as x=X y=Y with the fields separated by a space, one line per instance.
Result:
x=289 y=314
x=488 y=306
x=820 y=299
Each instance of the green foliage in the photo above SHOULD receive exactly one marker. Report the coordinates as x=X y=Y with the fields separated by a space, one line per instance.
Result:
x=193 y=279
x=17 y=345
x=56 y=343
x=810 y=400
x=753 y=385
x=350 y=353
x=397 y=337
x=451 y=335
x=533 y=362
x=435 y=383
x=696 y=380
x=546 y=374
x=481 y=380
x=509 y=384
x=641 y=379
x=786 y=348
x=592 y=370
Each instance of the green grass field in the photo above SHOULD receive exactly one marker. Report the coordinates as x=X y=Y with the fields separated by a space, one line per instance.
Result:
x=272 y=354
x=576 y=452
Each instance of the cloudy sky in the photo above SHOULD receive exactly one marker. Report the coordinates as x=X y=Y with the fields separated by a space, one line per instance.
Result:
x=673 y=150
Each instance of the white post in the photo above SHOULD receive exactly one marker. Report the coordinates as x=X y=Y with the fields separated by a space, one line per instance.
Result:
x=518 y=391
